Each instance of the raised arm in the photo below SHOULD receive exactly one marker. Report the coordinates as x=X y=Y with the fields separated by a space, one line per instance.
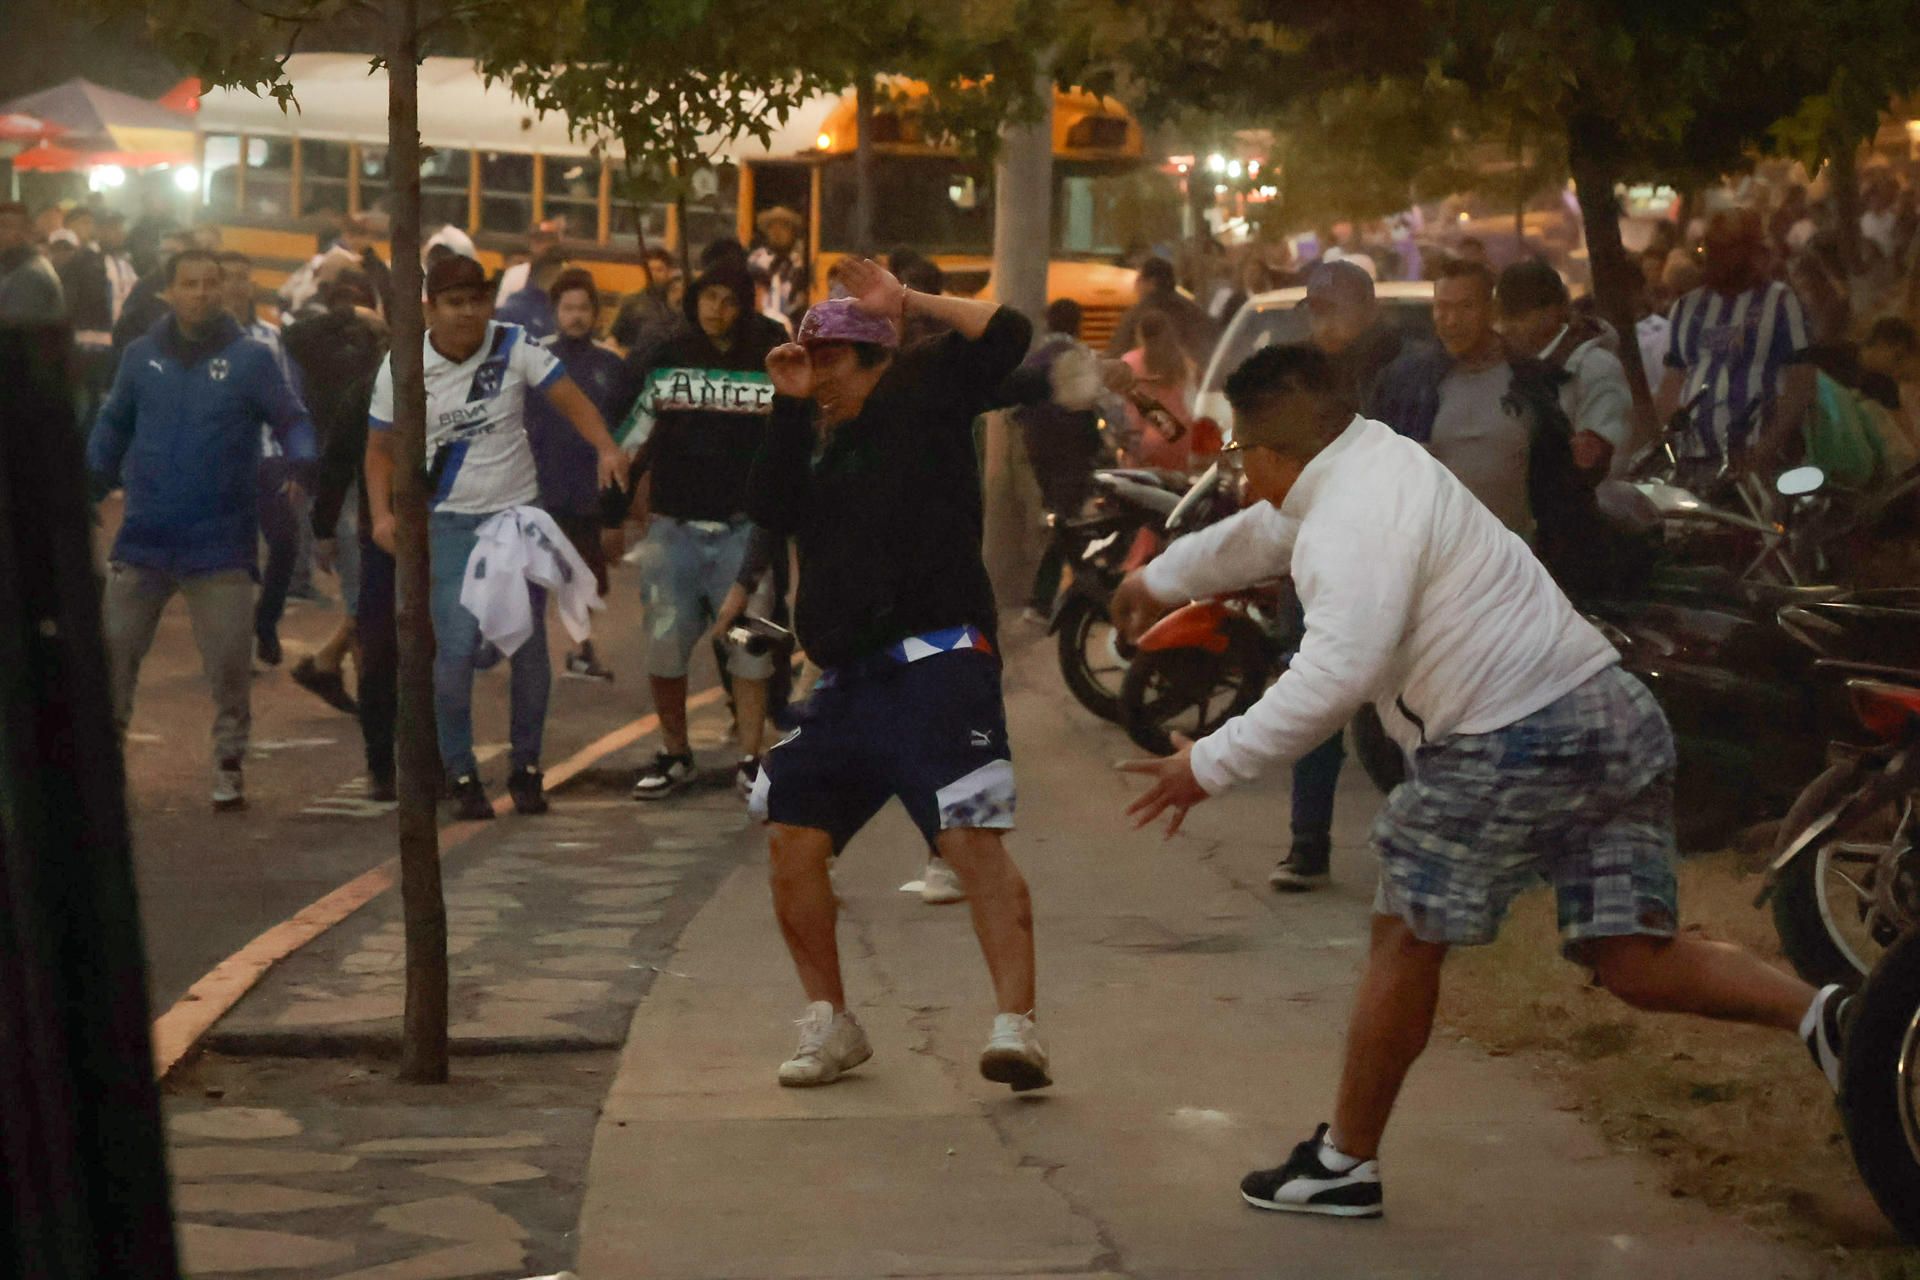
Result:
x=873 y=288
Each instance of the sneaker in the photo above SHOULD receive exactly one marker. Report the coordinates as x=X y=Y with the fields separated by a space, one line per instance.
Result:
x=487 y=656
x=1304 y=1184
x=527 y=786
x=1013 y=1055
x=746 y=775
x=266 y=645
x=1824 y=1031
x=1304 y=869
x=229 y=787
x=666 y=775
x=939 y=885
x=381 y=788
x=324 y=685
x=470 y=803
x=831 y=1044
x=584 y=666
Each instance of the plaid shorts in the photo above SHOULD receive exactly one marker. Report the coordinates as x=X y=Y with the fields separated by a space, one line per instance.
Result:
x=1579 y=794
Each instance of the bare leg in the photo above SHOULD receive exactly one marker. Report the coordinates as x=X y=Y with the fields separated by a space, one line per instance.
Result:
x=750 y=708
x=670 y=702
x=804 y=904
x=1698 y=976
x=329 y=656
x=1392 y=1017
x=1002 y=911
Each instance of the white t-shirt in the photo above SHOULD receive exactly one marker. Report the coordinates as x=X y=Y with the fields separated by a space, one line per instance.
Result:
x=476 y=421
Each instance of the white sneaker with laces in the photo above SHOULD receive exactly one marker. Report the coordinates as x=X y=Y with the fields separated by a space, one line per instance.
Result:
x=1013 y=1055
x=831 y=1044
x=229 y=787
x=940 y=884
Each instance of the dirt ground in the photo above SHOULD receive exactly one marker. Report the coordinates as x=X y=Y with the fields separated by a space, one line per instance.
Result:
x=1735 y=1116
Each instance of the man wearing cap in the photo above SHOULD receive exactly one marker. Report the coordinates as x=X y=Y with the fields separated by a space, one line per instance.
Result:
x=1539 y=757
x=1537 y=320
x=1344 y=322
x=543 y=237
x=478 y=463
x=869 y=466
x=782 y=259
x=701 y=414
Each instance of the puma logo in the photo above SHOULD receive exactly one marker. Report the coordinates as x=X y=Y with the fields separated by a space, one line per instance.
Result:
x=981 y=738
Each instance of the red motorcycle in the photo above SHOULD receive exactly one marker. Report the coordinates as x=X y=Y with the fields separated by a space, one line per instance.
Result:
x=1209 y=661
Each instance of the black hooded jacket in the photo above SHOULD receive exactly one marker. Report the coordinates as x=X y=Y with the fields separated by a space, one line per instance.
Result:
x=702 y=411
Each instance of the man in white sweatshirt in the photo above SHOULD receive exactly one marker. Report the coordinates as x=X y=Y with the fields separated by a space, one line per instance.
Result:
x=1534 y=754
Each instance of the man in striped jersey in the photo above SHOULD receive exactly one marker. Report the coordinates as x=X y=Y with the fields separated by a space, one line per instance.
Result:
x=1739 y=344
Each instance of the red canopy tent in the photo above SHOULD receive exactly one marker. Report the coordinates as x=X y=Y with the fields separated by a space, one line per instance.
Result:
x=101 y=126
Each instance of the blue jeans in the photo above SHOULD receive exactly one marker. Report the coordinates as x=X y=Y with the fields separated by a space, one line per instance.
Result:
x=456 y=634
x=1316 y=775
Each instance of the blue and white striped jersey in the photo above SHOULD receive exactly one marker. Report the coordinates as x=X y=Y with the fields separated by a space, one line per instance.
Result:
x=1734 y=350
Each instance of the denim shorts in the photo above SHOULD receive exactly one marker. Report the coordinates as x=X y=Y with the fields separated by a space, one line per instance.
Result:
x=686 y=570
x=931 y=732
x=1578 y=794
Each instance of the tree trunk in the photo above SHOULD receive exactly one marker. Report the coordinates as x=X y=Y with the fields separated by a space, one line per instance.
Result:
x=863 y=198
x=1846 y=203
x=1591 y=156
x=1022 y=243
x=423 y=1046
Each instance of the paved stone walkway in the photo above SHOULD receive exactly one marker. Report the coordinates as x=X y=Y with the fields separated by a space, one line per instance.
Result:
x=294 y=1152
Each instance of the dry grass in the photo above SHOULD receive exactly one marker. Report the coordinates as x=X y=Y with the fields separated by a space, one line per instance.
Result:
x=1735 y=1116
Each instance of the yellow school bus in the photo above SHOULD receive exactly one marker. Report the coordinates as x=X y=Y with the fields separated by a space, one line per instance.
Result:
x=274 y=181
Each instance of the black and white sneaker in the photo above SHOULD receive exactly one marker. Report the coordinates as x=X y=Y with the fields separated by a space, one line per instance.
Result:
x=1824 y=1031
x=666 y=775
x=1305 y=1184
x=469 y=796
x=745 y=775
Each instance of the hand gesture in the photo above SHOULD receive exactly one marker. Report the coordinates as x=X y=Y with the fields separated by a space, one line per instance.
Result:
x=791 y=369
x=614 y=464
x=873 y=288
x=1174 y=787
x=1133 y=608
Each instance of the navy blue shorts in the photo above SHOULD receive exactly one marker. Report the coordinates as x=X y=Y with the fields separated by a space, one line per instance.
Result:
x=932 y=733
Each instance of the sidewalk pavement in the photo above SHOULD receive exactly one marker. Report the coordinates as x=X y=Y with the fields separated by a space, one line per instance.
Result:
x=1195 y=1020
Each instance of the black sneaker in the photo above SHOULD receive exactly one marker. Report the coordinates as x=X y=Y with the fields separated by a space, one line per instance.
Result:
x=1305 y=867
x=527 y=787
x=666 y=775
x=266 y=644
x=381 y=788
x=1304 y=1185
x=1824 y=1031
x=584 y=666
x=324 y=685
x=470 y=803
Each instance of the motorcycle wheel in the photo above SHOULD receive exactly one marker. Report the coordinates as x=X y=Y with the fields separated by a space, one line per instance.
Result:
x=1819 y=902
x=1880 y=1085
x=1191 y=691
x=1093 y=658
x=1380 y=755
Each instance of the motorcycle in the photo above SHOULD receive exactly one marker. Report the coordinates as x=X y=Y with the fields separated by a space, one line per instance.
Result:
x=1131 y=516
x=1880 y=1085
x=1845 y=881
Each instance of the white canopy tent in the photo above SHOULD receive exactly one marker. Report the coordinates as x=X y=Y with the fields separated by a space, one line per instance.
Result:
x=339 y=99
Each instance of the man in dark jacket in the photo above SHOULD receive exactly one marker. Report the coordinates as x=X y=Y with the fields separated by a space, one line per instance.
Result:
x=529 y=306
x=180 y=432
x=703 y=407
x=1158 y=290
x=568 y=466
x=30 y=290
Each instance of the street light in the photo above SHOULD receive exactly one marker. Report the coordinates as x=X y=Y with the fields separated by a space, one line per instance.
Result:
x=187 y=179
x=1234 y=170
x=104 y=177
x=824 y=142
x=1216 y=163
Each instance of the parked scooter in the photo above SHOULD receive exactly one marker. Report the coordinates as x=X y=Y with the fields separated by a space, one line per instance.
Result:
x=1880 y=1085
x=1845 y=882
x=1131 y=517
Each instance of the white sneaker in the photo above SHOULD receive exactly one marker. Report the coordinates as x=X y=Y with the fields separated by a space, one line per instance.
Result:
x=229 y=788
x=1013 y=1055
x=939 y=884
x=831 y=1044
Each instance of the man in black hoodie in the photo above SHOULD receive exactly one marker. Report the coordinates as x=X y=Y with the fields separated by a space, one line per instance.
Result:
x=704 y=401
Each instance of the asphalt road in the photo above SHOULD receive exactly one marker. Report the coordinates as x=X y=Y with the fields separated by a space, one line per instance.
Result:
x=210 y=882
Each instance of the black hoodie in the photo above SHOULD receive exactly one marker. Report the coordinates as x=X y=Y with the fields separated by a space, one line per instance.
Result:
x=702 y=410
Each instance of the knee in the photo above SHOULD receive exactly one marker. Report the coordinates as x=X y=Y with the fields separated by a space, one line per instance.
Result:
x=797 y=857
x=1624 y=966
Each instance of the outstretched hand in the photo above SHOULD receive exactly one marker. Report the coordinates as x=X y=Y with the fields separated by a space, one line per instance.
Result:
x=791 y=369
x=873 y=288
x=1174 y=787
x=1133 y=608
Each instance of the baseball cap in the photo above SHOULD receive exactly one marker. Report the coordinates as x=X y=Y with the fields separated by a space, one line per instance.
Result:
x=840 y=320
x=1529 y=285
x=455 y=272
x=1339 y=281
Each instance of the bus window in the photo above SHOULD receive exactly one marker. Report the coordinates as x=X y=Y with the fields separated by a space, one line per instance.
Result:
x=219 y=163
x=269 y=177
x=443 y=186
x=1101 y=212
x=323 y=176
x=506 y=192
x=711 y=205
x=573 y=195
x=937 y=204
x=625 y=217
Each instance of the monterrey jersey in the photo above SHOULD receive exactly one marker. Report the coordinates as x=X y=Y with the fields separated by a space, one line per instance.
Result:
x=478 y=459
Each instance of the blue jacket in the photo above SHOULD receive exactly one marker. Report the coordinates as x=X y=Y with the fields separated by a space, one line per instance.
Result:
x=180 y=432
x=531 y=309
x=568 y=466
